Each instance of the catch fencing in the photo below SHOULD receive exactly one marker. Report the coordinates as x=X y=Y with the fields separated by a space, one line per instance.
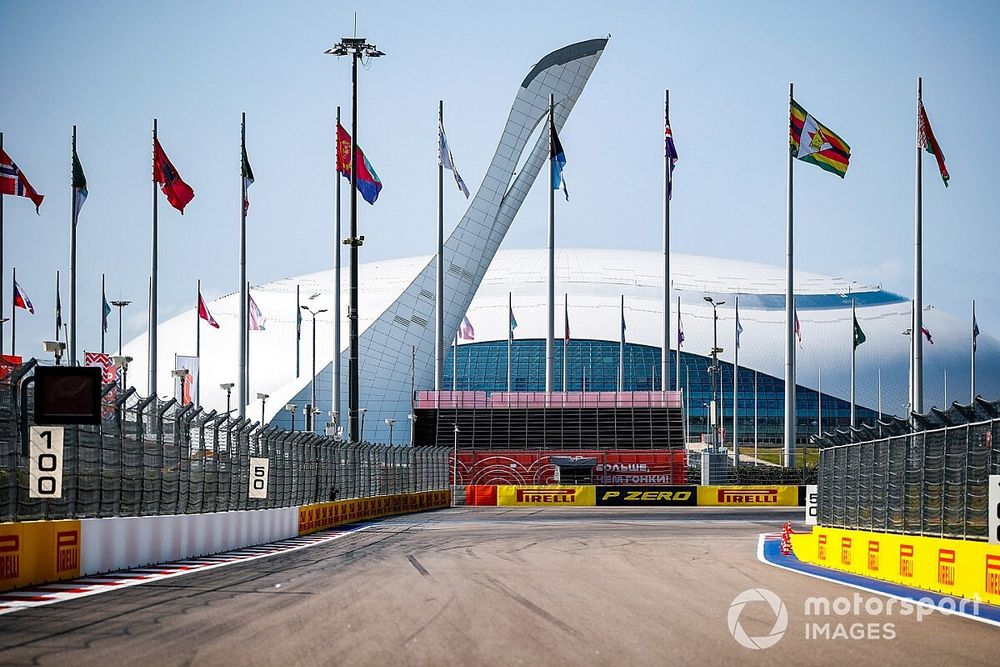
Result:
x=150 y=457
x=932 y=482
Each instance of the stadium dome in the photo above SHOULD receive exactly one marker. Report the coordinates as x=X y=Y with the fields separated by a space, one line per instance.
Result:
x=594 y=283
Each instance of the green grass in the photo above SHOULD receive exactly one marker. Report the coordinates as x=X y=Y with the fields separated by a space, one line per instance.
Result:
x=776 y=455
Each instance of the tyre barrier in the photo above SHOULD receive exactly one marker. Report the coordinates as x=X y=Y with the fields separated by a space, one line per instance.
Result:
x=953 y=567
x=38 y=552
x=505 y=495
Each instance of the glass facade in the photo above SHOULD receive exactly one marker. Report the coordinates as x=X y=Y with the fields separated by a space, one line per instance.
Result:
x=593 y=365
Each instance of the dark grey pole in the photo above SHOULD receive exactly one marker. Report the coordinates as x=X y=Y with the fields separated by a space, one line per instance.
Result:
x=104 y=298
x=354 y=374
x=242 y=379
x=790 y=423
x=72 y=265
x=854 y=354
x=665 y=350
x=439 y=300
x=298 y=330
x=13 y=318
x=312 y=420
x=551 y=328
x=151 y=362
x=197 y=347
x=337 y=307
x=917 y=341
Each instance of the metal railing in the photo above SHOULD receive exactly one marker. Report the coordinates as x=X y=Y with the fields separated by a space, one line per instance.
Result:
x=152 y=457
x=932 y=482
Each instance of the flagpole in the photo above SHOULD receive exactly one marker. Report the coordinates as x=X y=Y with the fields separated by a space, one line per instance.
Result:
x=510 y=337
x=58 y=313
x=151 y=362
x=677 y=370
x=945 y=406
x=104 y=299
x=621 y=350
x=665 y=350
x=72 y=267
x=973 y=369
x=439 y=267
x=819 y=401
x=244 y=348
x=337 y=307
x=790 y=417
x=298 y=331
x=551 y=330
x=755 y=417
x=736 y=388
x=197 y=347
x=454 y=364
x=880 y=394
x=917 y=362
x=854 y=354
x=13 y=317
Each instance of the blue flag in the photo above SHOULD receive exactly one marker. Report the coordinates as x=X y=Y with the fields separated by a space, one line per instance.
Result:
x=558 y=162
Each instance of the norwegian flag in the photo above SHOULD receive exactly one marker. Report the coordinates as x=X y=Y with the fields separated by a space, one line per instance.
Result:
x=204 y=313
x=14 y=182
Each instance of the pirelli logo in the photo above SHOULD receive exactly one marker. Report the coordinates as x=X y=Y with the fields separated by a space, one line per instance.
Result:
x=845 y=551
x=873 y=547
x=946 y=567
x=748 y=496
x=992 y=574
x=10 y=557
x=821 y=547
x=67 y=550
x=553 y=496
x=906 y=560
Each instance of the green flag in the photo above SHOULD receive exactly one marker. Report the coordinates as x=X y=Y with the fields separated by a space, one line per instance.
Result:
x=859 y=335
x=79 y=183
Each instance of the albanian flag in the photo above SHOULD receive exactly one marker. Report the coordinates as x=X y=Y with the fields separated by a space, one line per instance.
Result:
x=368 y=182
x=178 y=193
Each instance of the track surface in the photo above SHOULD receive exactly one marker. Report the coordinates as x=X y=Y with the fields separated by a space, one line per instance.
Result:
x=486 y=586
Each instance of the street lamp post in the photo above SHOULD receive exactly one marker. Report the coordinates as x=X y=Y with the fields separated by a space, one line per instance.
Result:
x=228 y=388
x=263 y=401
x=314 y=313
x=120 y=305
x=122 y=363
x=716 y=371
x=454 y=467
x=390 y=423
x=181 y=376
x=356 y=48
x=361 y=413
x=291 y=408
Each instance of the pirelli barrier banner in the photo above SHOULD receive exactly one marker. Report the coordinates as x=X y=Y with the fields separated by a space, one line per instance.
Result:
x=958 y=568
x=35 y=552
x=646 y=496
x=540 y=496
x=341 y=512
x=742 y=496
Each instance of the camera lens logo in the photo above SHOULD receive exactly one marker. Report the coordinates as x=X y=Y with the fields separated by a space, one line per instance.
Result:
x=780 y=618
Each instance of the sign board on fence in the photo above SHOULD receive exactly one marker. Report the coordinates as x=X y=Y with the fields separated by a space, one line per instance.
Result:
x=645 y=496
x=545 y=495
x=45 y=465
x=994 y=509
x=741 y=496
x=812 y=504
x=258 y=477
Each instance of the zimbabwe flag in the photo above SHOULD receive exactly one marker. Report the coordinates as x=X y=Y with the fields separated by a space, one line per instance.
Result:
x=811 y=141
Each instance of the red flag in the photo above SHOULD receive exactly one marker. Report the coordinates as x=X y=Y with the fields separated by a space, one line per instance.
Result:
x=203 y=312
x=14 y=182
x=178 y=193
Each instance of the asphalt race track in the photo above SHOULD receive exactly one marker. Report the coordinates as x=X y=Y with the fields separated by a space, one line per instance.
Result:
x=490 y=586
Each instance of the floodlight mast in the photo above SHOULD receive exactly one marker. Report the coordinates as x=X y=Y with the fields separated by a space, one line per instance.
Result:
x=357 y=48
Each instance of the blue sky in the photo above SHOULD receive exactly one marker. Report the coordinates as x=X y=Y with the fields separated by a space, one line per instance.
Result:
x=110 y=67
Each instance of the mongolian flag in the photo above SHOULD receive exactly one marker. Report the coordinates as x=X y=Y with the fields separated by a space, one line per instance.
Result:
x=813 y=142
x=368 y=182
x=21 y=299
x=204 y=313
x=178 y=193
x=926 y=140
x=14 y=182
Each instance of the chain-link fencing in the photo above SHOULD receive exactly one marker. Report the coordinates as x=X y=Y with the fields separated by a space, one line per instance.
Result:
x=932 y=482
x=151 y=457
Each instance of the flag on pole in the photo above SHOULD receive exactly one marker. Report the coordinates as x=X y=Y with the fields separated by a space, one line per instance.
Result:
x=558 y=162
x=447 y=161
x=368 y=182
x=566 y=330
x=79 y=183
x=298 y=323
x=798 y=330
x=247 y=179
x=204 y=313
x=927 y=335
x=926 y=140
x=14 y=182
x=256 y=320
x=178 y=193
x=975 y=332
x=465 y=331
x=21 y=299
x=859 y=335
x=513 y=322
x=813 y=142
x=105 y=312
x=680 y=331
x=671 y=153
x=739 y=327
x=58 y=308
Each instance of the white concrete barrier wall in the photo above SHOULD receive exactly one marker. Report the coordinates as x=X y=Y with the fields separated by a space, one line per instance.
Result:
x=119 y=543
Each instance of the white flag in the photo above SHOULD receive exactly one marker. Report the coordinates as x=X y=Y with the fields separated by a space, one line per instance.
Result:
x=448 y=162
x=256 y=318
